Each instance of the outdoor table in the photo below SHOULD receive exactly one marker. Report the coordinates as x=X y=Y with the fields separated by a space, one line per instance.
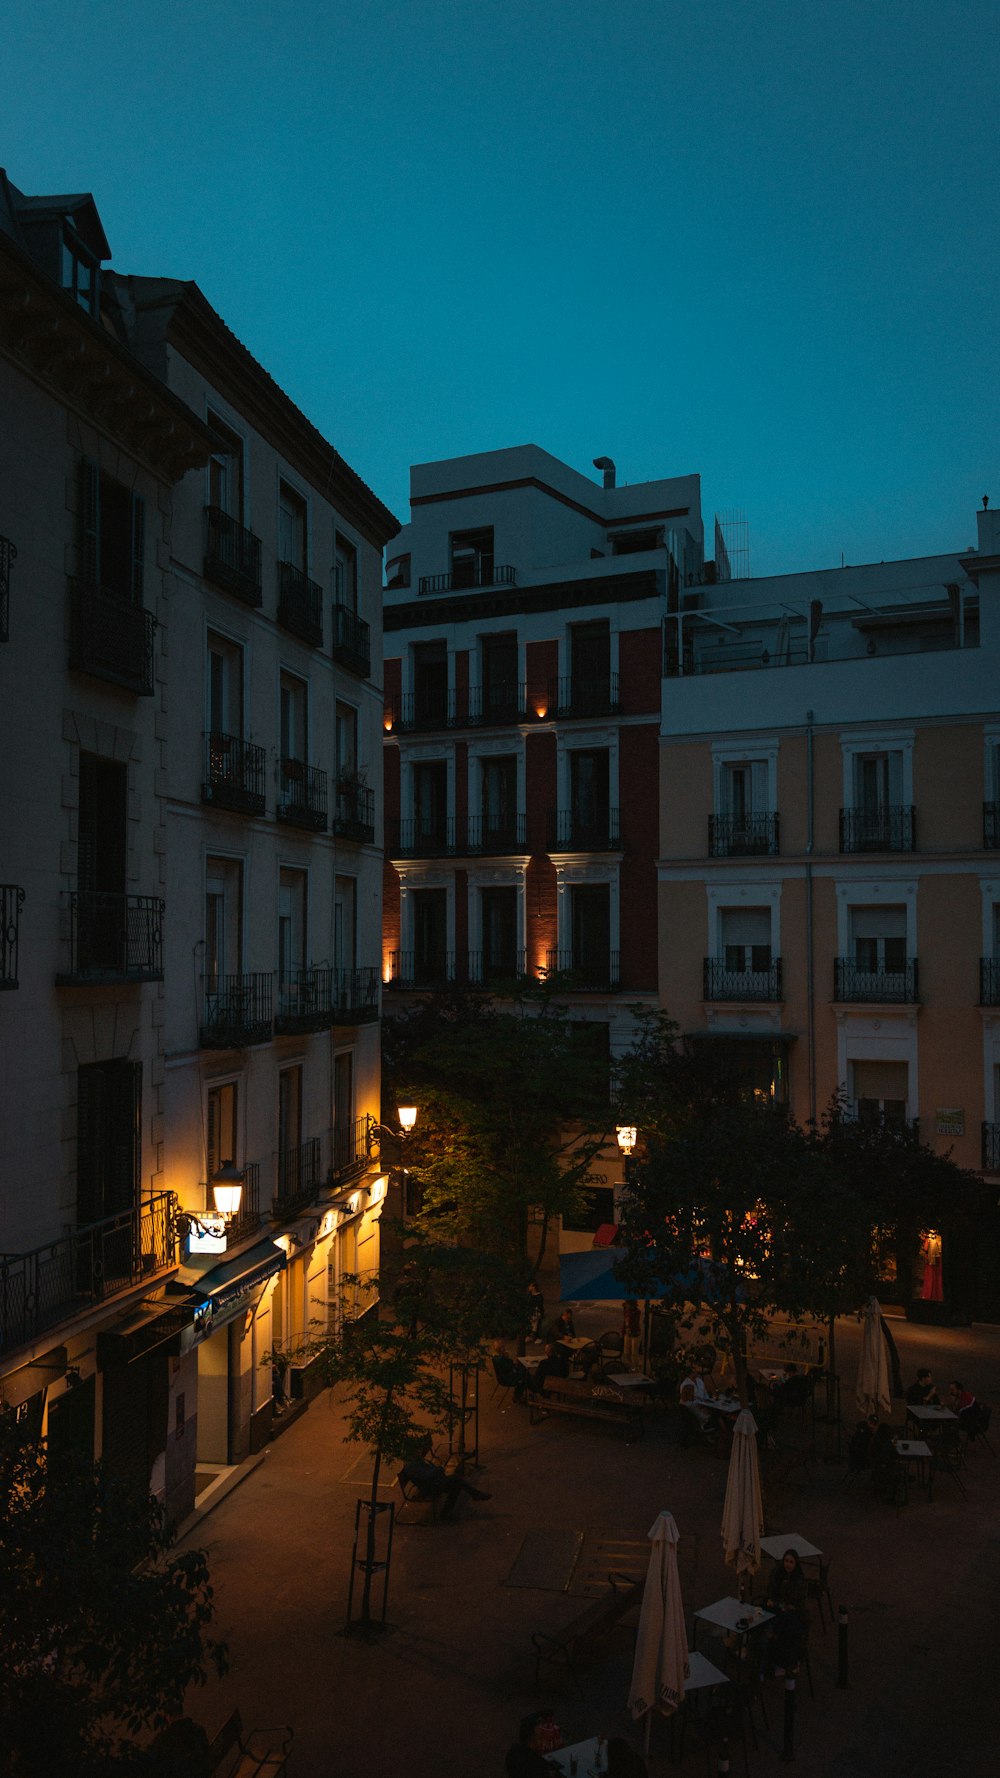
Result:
x=917 y=1452
x=929 y=1417
x=702 y=1673
x=729 y=1614
x=583 y=1752
x=775 y=1547
x=720 y=1407
x=631 y=1380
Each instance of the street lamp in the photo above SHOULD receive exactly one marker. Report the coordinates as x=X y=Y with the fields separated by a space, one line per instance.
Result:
x=227 y=1189
x=375 y=1132
x=627 y=1134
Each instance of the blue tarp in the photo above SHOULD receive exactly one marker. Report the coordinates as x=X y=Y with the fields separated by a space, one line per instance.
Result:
x=591 y=1276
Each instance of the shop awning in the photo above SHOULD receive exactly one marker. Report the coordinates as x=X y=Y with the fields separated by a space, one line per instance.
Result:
x=147 y=1328
x=234 y=1276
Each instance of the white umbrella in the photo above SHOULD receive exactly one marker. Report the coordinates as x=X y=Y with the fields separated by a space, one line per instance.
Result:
x=873 y=1391
x=742 y=1513
x=661 y=1652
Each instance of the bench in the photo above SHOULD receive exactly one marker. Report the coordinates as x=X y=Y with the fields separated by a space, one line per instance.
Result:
x=576 y=1641
x=415 y=1495
x=565 y=1395
x=263 y=1754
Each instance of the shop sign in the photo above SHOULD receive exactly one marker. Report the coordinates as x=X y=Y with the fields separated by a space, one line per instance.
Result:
x=211 y=1237
x=950 y=1121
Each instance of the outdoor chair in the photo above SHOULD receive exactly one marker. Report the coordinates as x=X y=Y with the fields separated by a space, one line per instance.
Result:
x=722 y=1721
x=506 y=1377
x=978 y=1428
x=946 y=1460
x=612 y=1344
x=818 y=1588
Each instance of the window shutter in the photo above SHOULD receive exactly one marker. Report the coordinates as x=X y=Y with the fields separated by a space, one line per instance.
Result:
x=138 y=541
x=90 y=496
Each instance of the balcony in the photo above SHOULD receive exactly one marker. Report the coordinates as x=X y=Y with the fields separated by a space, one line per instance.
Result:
x=353 y=809
x=53 y=1283
x=488 y=836
x=11 y=903
x=237 y=1012
x=301 y=795
x=111 y=639
x=991 y=1148
x=503 y=703
x=232 y=557
x=8 y=555
x=505 y=966
x=298 y=1178
x=743 y=836
x=887 y=987
x=586 y=697
x=355 y=995
x=234 y=774
x=586 y=973
x=300 y=605
x=889 y=828
x=482 y=574
x=114 y=938
x=350 y=1150
x=419 y=712
x=416 y=838
x=722 y=983
x=427 y=969
x=247 y=1219
x=991 y=826
x=872 y=1116
x=569 y=831
x=351 y=644
x=305 y=1002
x=989 y=981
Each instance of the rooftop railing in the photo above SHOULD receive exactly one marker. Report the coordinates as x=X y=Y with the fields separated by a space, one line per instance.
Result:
x=232 y=556
x=482 y=574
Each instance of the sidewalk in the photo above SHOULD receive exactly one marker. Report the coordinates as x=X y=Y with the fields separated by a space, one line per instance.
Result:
x=441 y=1696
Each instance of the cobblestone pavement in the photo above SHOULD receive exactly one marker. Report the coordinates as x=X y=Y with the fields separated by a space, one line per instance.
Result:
x=440 y=1697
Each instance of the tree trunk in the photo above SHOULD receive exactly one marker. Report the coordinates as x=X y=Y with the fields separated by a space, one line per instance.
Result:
x=370 y=1544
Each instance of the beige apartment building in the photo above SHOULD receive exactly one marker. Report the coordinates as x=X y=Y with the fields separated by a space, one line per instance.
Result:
x=830 y=853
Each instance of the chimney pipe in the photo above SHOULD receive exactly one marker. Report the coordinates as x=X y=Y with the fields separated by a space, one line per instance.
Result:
x=605 y=464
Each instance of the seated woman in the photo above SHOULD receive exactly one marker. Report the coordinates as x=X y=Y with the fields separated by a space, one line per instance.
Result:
x=787 y=1597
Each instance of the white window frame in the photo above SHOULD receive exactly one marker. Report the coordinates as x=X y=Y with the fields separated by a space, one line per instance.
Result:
x=730 y=753
x=756 y=894
x=571 y=876
x=422 y=878
x=899 y=741
x=496 y=876
x=237 y=426
x=892 y=891
x=884 y=1037
x=426 y=753
x=232 y=1078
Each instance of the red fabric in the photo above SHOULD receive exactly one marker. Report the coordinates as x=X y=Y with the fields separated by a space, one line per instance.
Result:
x=607 y=1234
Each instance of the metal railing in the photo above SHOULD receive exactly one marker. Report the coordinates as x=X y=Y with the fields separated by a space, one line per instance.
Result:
x=481 y=575
x=50 y=1284
x=356 y=995
x=875 y=1118
x=247 y=1218
x=414 y=711
x=743 y=836
x=111 y=639
x=991 y=1148
x=301 y=795
x=496 y=834
x=352 y=641
x=305 y=1001
x=232 y=556
x=416 y=838
x=506 y=702
x=300 y=604
x=991 y=826
x=298 y=1178
x=11 y=903
x=569 y=831
x=989 y=981
x=8 y=555
x=585 y=696
x=114 y=938
x=591 y=973
x=508 y=965
x=889 y=828
x=353 y=810
x=722 y=983
x=237 y=1012
x=235 y=774
x=350 y=1149
x=428 y=969
x=851 y=981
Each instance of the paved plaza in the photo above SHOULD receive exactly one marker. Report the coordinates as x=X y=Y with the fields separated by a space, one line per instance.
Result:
x=441 y=1696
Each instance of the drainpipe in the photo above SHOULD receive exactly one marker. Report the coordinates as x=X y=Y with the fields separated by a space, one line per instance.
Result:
x=810 y=984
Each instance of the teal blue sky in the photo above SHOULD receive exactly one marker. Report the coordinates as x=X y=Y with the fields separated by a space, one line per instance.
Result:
x=758 y=241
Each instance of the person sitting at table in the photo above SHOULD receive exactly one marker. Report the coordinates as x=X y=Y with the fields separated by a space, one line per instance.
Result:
x=510 y=1373
x=922 y=1393
x=787 y=1597
x=561 y=1327
x=623 y=1761
x=525 y=1759
x=963 y=1403
x=554 y=1364
x=434 y=1482
x=693 y=1396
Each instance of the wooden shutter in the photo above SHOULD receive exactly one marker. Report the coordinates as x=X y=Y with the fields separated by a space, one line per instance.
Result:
x=138 y=545
x=90 y=521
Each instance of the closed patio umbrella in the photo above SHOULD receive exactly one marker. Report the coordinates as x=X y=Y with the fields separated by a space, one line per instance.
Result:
x=661 y=1652
x=873 y=1392
x=742 y=1512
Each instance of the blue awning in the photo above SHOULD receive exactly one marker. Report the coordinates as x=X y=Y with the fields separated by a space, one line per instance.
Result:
x=234 y=1276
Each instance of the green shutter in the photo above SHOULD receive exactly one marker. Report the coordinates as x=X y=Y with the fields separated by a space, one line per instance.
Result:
x=138 y=540
x=90 y=522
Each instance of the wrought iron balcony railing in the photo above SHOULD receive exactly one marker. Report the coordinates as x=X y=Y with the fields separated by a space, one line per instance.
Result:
x=111 y=639
x=300 y=604
x=417 y=711
x=742 y=836
x=482 y=574
x=232 y=556
x=991 y=826
x=247 y=1218
x=875 y=1117
x=506 y=702
x=851 y=981
x=722 y=983
x=301 y=795
x=888 y=828
x=114 y=938
x=353 y=810
x=298 y=1178
x=350 y=1150
x=421 y=969
x=418 y=838
x=991 y=1148
x=305 y=1001
x=235 y=774
x=989 y=981
x=237 y=1012
x=502 y=965
x=488 y=835
x=356 y=995
x=352 y=641
x=8 y=555
x=90 y=1265
x=585 y=973
x=569 y=831
x=586 y=696
x=11 y=903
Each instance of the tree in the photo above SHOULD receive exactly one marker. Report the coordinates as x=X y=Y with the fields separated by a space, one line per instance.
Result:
x=102 y=1630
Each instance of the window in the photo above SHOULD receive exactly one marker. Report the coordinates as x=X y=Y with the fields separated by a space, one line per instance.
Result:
x=79 y=272
x=430 y=681
x=112 y=535
x=878 y=939
x=345 y=572
x=747 y=1067
x=292 y=527
x=590 y=669
x=590 y=915
x=345 y=901
x=430 y=802
x=499 y=916
x=293 y=721
x=108 y=1140
x=472 y=558
x=880 y=1091
x=397 y=572
x=499 y=799
x=291 y=922
x=101 y=864
x=223 y=921
x=225 y=470
x=289 y=1122
x=589 y=771
x=430 y=928
x=630 y=543
x=221 y=1134
x=745 y=939
x=346 y=739
x=343 y=1110
x=225 y=687
x=499 y=668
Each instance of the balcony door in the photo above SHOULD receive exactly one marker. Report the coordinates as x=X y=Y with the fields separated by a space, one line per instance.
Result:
x=101 y=863
x=499 y=914
x=499 y=800
x=591 y=921
x=430 y=682
x=878 y=940
x=223 y=921
x=225 y=470
x=745 y=939
x=589 y=793
x=343 y=1109
x=291 y=925
x=430 y=802
x=225 y=687
x=430 y=927
x=590 y=664
x=292 y=527
x=108 y=1144
x=289 y=1127
x=472 y=558
x=499 y=657
x=222 y=1127
x=345 y=899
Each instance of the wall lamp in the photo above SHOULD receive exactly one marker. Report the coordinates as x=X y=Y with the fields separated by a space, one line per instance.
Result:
x=374 y=1132
x=627 y=1135
x=227 y=1195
